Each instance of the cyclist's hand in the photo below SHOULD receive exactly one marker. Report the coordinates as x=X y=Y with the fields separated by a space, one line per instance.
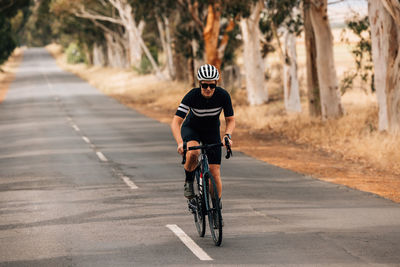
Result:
x=230 y=141
x=180 y=148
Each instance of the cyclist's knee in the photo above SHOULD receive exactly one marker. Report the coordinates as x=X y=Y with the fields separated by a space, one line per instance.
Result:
x=192 y=156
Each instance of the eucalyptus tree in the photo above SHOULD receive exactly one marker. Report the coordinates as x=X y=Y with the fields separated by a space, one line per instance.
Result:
x=163 y=13
x=384 y=18
x=314 y=100
x=282 y=19
x=209 y=28
x=122 y=13
x=253 y=60
x=331 y=106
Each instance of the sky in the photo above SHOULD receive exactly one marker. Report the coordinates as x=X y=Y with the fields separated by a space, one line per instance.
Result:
x=339 y=11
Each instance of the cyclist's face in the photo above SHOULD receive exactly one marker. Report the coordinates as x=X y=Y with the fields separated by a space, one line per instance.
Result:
x=208 y=91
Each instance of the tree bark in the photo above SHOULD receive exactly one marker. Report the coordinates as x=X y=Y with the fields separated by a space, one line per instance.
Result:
x=170 y=58
x=291 y=82
x=99 y=55
x=165 y=37
x=115 y=52
x=253 y=63
x=329 y=90
x=314 y=102
x=391 y=35
x=211 y=34
x=380 y=22
x=129 y=23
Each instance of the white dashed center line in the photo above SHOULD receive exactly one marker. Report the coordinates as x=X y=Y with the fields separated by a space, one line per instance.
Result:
x=86 y=139
x=76 y=128
x=101 y=156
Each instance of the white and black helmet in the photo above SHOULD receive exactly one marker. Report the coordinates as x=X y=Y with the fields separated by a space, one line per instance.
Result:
x=207 y=72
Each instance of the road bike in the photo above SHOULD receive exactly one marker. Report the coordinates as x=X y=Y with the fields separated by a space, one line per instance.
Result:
x=206 y=201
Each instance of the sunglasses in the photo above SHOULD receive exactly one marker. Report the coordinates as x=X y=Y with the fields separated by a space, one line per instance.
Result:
x=206 y=85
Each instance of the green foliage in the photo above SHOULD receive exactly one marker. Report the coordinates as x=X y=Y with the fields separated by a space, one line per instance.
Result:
x=279 y=13
x=145 y=65
x=8 y=35
x=362 y=53
x=7 y=42
x=39 y=27
x=74 y=54
x=233 y=44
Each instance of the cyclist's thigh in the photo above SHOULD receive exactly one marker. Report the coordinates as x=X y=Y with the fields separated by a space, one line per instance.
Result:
x=188 y=134
x=213 y=154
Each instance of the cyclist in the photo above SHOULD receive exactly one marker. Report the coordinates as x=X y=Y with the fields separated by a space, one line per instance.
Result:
x=197 y=120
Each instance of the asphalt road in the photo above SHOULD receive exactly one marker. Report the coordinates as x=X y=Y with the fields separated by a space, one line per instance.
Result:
x=85 y=181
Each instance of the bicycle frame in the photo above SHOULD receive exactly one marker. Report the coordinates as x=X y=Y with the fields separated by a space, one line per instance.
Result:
x=205 y=182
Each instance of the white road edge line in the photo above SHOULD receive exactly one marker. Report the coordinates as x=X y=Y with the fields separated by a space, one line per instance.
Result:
x=129 y=182
x=198 y=251
x=101 y=156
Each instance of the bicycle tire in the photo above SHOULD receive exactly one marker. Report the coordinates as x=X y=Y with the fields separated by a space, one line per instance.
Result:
x=199 y=214
x=214 y=212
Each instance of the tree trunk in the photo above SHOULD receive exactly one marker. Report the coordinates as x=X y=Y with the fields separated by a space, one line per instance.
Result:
x=191 y=67
x=168 y=39
x=254 y=63
x=134 y=34
x=88 y=54
x=211 y=34
x=290 y=79
x=380 y=24
x=329 y=90
x=99 y=55
x=314 y=102
x=115 y=52
x=392 y=35
x=128 y=20
x=165 y=37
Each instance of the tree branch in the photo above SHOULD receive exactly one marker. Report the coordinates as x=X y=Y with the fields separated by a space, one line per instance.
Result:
x=225 y=38
x=7 y=6
x=87 y=15
x=106 y=29
x=192 y=10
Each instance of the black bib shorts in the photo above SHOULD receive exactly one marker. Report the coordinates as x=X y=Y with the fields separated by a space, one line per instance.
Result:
x=209 y=137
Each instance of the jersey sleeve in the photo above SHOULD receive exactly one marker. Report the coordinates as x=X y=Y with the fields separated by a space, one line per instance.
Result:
x=228 y=109
x=184 y=106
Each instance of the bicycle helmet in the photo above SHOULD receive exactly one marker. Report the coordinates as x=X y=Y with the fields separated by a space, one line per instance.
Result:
x=208 y=72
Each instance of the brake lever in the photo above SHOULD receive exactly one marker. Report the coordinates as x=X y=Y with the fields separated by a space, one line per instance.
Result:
x=184 y=153
x=228 y=148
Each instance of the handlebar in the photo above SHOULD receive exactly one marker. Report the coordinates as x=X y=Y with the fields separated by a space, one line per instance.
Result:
x=207 y=146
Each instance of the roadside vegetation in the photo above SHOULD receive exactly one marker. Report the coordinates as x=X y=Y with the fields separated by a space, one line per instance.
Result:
x=8 y=71
x=354 y=136
x=292 y=78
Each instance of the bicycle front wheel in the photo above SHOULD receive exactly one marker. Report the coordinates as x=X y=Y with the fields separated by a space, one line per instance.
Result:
x=199 y=214
x=214 y=212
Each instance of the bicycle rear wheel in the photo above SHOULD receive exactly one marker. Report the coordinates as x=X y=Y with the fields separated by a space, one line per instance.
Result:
x=199 y=214
x=214 y=212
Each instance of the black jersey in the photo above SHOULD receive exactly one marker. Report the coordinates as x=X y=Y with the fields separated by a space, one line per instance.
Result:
x=203 y=113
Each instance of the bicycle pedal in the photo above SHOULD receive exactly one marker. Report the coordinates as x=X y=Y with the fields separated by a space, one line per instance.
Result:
x=192 y=206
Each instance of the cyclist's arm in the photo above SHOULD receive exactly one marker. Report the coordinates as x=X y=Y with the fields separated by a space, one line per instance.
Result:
x=176 y=129
x=230 y=126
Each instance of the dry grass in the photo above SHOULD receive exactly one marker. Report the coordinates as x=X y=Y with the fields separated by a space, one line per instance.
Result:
x=7 y=71
x=353 y=137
